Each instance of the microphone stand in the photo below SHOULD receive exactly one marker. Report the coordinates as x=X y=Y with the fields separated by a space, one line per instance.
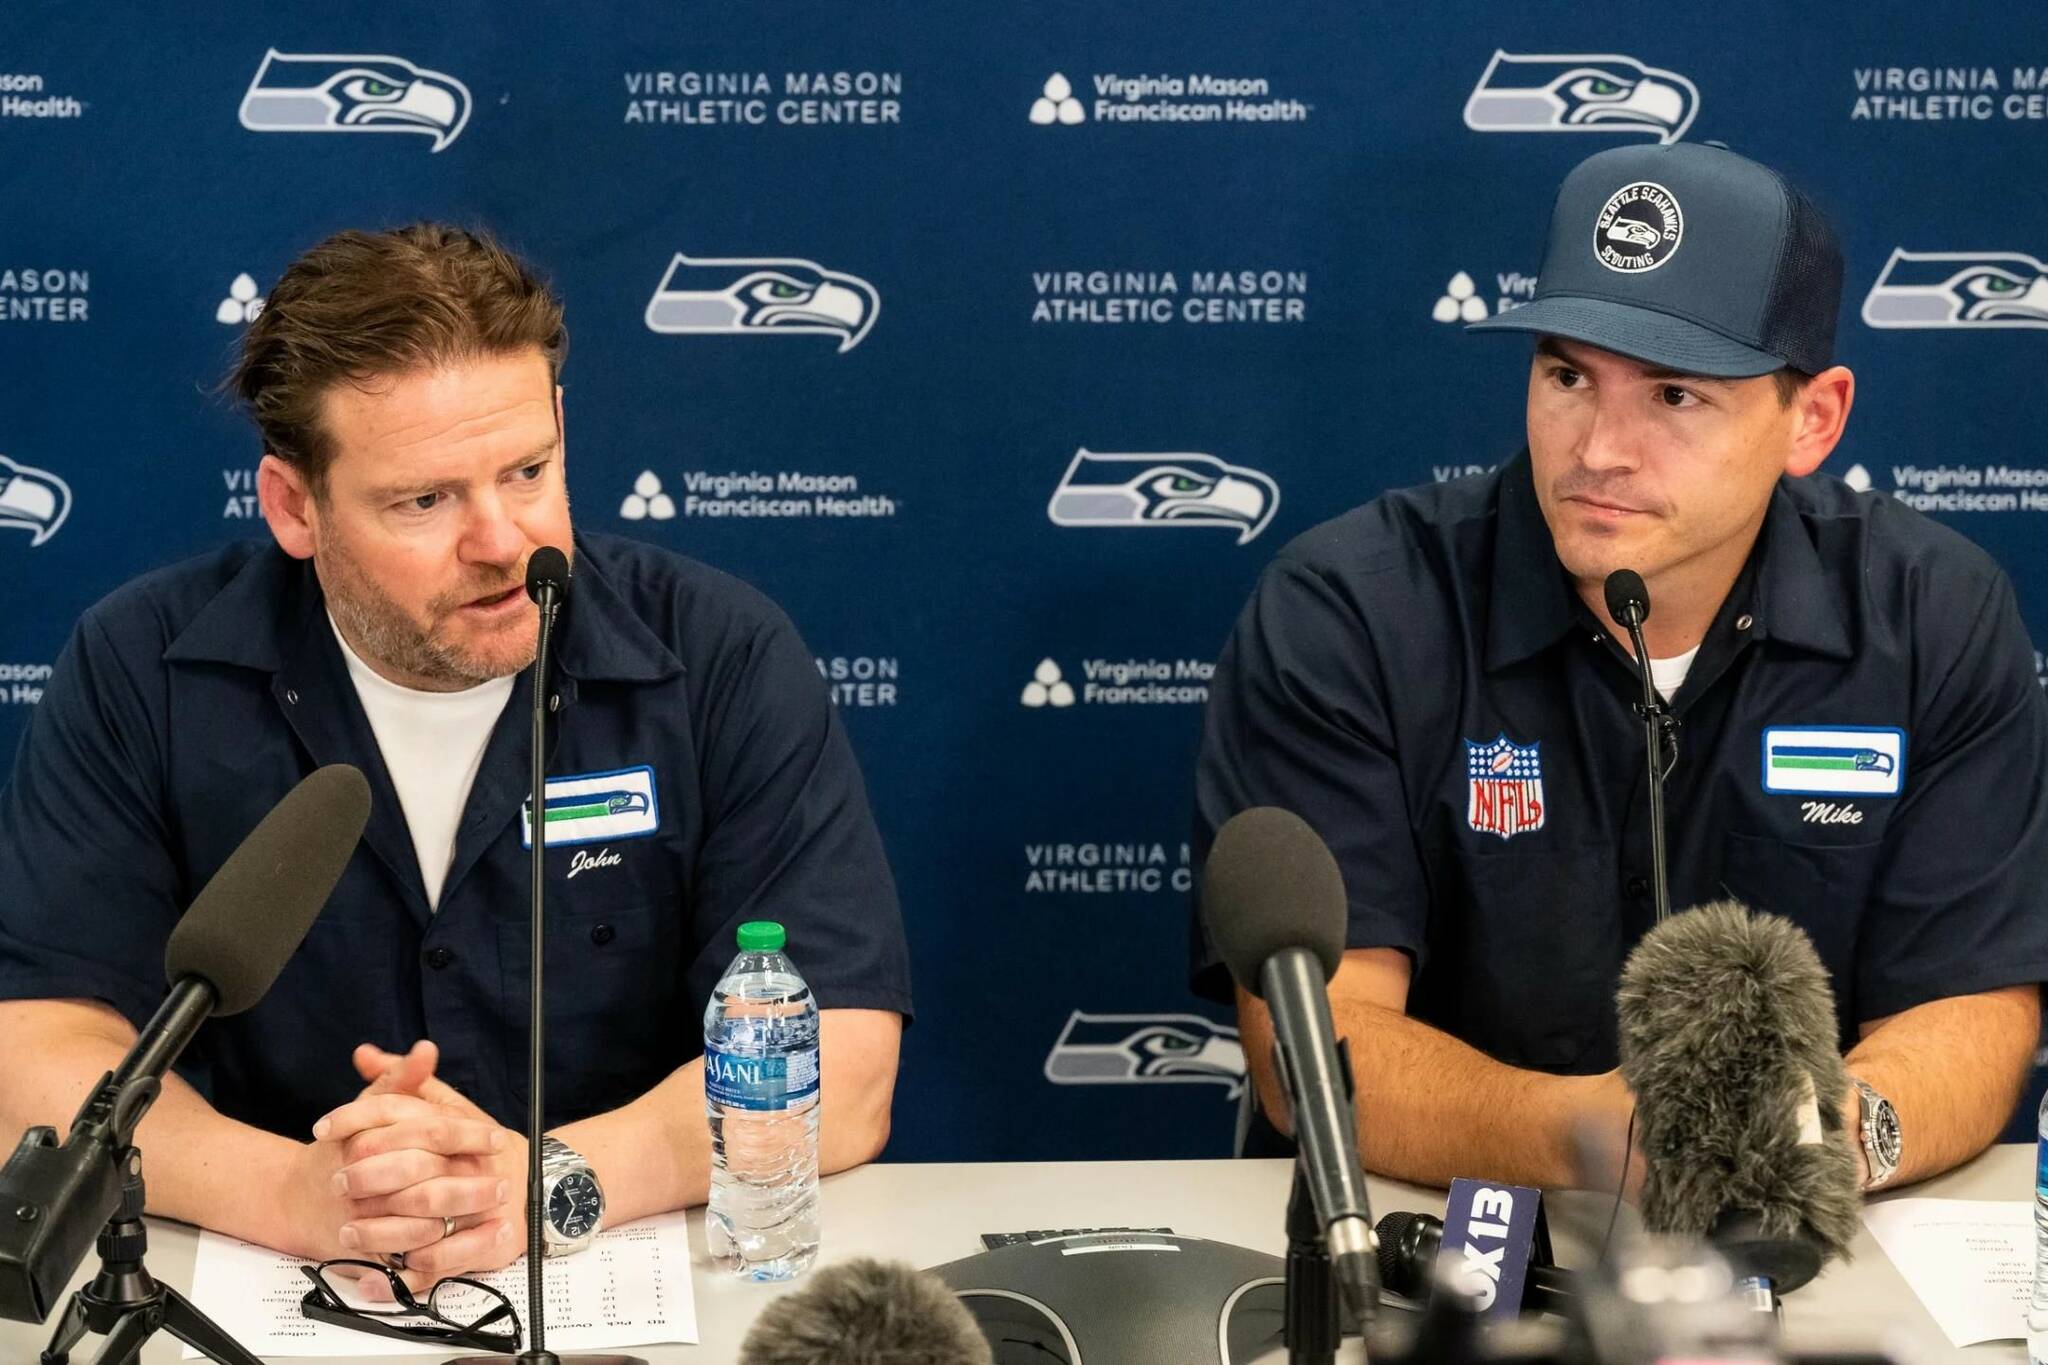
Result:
x=547 y=595
x=1313 y=1328
x=1659 y=730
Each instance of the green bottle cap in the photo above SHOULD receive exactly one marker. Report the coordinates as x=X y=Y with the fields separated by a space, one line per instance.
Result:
x=761 y=936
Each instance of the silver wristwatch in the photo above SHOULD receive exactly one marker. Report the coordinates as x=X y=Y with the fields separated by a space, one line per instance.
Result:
x=572 y=1202
x=1882 y=1140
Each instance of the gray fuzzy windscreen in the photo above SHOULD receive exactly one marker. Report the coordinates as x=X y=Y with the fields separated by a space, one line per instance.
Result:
x=866 y=1312
x=1726 y=1018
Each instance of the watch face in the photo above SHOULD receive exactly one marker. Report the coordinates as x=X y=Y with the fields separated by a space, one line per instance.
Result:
x=1885 y=1130
x=574 y=1206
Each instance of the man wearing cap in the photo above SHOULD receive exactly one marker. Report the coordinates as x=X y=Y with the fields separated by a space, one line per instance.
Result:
x=1433 y=681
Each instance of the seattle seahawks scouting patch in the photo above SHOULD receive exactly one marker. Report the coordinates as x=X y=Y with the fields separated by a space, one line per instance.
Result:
x=1638 y=229
x=1843 y=760
x=592 y=806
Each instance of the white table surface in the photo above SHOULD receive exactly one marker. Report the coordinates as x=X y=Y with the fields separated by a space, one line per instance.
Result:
x=929 y=1214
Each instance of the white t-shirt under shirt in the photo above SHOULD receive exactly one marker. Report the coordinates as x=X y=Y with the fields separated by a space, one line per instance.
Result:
x=1669 y=674
x=433 y=744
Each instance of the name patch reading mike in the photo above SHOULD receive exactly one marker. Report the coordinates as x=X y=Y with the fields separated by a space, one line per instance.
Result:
x=587 y=807
x=1838 y=760
x=1505 y=795
x=1489 y=1232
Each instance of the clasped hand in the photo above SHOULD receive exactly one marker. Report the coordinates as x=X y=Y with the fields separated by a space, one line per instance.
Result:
x=414 y=1169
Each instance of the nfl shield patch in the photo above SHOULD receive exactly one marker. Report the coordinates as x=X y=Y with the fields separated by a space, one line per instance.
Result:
x=1506 y=780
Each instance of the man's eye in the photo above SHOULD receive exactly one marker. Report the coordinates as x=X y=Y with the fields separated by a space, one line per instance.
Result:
x=1567 y=378
x=1674 y=397
x=532 y=471
x=425 y=502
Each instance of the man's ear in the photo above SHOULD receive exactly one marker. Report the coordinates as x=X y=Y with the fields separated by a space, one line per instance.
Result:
x=1819 y=413
x=288 y=505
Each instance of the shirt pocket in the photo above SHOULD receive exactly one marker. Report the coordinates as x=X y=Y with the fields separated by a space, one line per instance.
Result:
x=1822 y=888
x=1532 y=954
x=618 y=1016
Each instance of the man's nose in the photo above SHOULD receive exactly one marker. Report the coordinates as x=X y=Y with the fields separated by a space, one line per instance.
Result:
x=1612 y=439
x=492 y=536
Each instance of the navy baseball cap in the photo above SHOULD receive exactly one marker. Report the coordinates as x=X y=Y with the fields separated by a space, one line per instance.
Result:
x=1689 y=257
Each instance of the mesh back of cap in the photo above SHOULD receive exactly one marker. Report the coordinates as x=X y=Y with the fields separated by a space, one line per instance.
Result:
x=1799 y=321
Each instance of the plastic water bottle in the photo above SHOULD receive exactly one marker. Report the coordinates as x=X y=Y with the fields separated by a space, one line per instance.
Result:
x=761 y=1096
x=2037 y=1311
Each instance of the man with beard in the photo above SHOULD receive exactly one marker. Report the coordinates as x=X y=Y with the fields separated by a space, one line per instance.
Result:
x=406 y=387
x=1434 y=683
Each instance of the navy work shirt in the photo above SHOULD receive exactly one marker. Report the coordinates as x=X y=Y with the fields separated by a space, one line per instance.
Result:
x=1861 y=748
x=191 y=700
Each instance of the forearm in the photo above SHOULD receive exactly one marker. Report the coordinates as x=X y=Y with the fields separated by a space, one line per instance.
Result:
x=654 y=1154
x=1431 y=1108
x=202 y=1167
x=1953 y=1069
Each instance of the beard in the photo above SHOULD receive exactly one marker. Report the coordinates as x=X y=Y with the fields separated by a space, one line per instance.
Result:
x=380 y=629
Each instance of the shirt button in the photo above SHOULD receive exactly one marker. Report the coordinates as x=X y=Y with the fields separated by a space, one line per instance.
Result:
x=1744 y=621
x=439 y=958
x=1638 y=888
x=602 y=935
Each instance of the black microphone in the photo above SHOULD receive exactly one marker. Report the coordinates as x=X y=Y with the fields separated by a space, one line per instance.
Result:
x=1728 y=1039
x=547 y=583
x=867 y=1312
x=1273 y=900
x=547 y=580
x=223 y=955
x=1410 y=1243
x=1628 y=602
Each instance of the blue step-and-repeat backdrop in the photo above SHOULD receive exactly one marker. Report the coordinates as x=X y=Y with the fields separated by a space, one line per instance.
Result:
x=1121 y=298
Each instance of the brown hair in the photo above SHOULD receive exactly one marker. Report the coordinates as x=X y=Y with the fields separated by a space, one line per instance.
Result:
x=1790 y=382
x=364 y=304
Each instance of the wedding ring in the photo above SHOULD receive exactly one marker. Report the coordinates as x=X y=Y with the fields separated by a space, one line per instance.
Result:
x=395 y=1259
x=447 y=1228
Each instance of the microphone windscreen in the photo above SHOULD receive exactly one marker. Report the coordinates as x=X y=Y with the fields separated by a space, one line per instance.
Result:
x=251 y=917
x=1270 y=883
x=1728 y=1039
x=866 y=1312
x=547 y=566
x=1627 y=595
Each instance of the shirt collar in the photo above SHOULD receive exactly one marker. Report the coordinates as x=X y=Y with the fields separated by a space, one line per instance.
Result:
x=257 y=619
x=1797 y=600
x=1532 y=605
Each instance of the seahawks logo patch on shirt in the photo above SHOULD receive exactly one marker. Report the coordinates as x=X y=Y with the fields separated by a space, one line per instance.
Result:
x=586 y=807
x=1842 y=760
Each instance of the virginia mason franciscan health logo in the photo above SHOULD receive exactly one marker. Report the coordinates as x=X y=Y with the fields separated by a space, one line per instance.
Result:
x=1146 y=1049
x=305 y=92
x=761 y=296
x=1959 y=289
x=1184 y=490
x=1505 y=796
x=1594 y=93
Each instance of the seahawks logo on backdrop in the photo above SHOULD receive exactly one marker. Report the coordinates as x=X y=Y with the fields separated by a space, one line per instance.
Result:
x=296 y=92
x=32 y=500
x=1146 y=1049
x=762 y=296
x=1163 y=490
x=1959 y=289
x=1638 y=228
x=1605 y=93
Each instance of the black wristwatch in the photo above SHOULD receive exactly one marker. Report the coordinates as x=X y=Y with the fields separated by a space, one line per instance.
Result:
x=572 y=1202
x=1882 y=1140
